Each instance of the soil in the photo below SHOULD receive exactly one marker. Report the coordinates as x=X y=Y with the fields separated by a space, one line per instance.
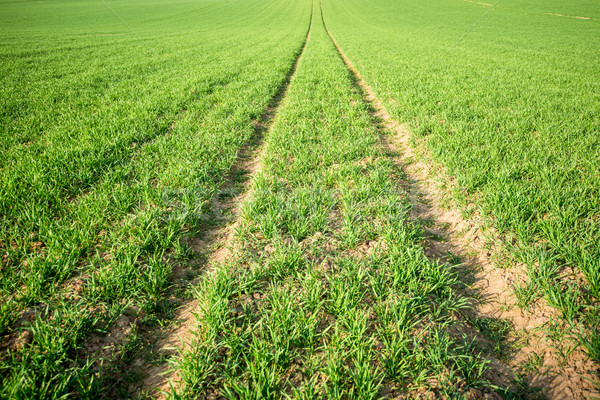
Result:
x=215 y=246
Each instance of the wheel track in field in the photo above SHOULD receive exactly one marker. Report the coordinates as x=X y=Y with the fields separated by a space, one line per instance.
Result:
x=217 y=241
x=453 y=236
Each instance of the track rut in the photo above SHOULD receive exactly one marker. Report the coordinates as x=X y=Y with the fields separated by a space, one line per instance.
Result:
x=217 y=242
x=451 y=236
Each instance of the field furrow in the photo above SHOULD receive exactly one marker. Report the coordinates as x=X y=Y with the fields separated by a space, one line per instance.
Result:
x=213 y=245
x=493 y=121
x=485 y=285
x=328 y=292
x=93 y=215
x=307 y=199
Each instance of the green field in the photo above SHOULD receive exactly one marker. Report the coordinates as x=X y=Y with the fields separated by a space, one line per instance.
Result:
x=112 y=144
x=511 y=110
x=122 y=122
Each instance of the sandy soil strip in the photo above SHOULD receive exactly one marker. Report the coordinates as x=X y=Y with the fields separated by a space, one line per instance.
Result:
x=217 y=244
x=567 y=16
x=480 y=3
x=548 y=13
x=451 y=235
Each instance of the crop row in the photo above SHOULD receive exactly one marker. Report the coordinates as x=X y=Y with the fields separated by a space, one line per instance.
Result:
x=506 y=99
x=111 y=153
x=330 y=294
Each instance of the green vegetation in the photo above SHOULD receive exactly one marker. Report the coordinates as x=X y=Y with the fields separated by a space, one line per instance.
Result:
x=507 y=99
x=117 y=127
x=121 y=120
x=331 y=295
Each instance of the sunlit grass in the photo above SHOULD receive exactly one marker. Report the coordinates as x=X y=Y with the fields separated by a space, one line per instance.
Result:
x=332 y=295
x=506 y=99
x=119 y=122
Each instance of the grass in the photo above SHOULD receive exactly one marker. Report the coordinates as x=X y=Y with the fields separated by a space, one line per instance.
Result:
x=121 y=121
x=330 y=294
x=497 y=331
x=117 y=128
x=505 y=97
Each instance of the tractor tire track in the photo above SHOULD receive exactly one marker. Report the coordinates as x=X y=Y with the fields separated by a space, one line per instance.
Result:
x=450 y=236
x=217 y=243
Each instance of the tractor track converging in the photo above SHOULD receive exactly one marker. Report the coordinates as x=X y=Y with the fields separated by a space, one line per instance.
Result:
x=217 y=242
x=450 y=235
